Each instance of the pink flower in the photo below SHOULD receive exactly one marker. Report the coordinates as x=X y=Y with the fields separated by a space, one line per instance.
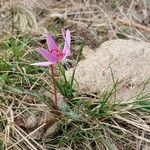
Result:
x=54 y=54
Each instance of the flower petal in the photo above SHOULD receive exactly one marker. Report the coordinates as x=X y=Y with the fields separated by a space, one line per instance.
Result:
x=47 y=63
x=67 y=39
x=51 y=42
x=47 y=55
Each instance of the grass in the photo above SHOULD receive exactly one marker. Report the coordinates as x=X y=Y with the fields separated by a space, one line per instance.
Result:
x=100 y=125
x=88 y=122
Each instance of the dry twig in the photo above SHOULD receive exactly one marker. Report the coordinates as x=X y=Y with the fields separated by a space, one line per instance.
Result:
x=133 y=24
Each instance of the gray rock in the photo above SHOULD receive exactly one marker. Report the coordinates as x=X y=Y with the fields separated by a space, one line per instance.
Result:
x=130 y=64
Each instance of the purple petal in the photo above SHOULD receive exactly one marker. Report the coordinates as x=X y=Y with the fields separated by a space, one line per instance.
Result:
x=47 y=55
x=67 y=39
x=51 y=42
x=47 y=63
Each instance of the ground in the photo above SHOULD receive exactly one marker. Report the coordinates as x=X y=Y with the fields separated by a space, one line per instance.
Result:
x=28 y=119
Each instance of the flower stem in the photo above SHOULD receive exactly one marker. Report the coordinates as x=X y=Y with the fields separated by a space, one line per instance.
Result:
x=54 y=84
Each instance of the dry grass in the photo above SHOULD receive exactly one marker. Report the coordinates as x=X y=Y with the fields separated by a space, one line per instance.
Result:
x=92 y=21
x=26 y=122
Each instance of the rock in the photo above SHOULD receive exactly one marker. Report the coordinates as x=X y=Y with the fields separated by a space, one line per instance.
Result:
x=130 y=64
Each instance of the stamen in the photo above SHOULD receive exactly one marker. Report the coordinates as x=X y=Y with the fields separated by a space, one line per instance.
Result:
x=57 y=54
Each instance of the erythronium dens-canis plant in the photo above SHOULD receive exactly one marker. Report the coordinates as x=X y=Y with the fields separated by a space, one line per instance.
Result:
x=54 y=55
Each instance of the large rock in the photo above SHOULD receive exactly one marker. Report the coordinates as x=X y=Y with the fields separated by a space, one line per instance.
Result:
x=130 y=64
